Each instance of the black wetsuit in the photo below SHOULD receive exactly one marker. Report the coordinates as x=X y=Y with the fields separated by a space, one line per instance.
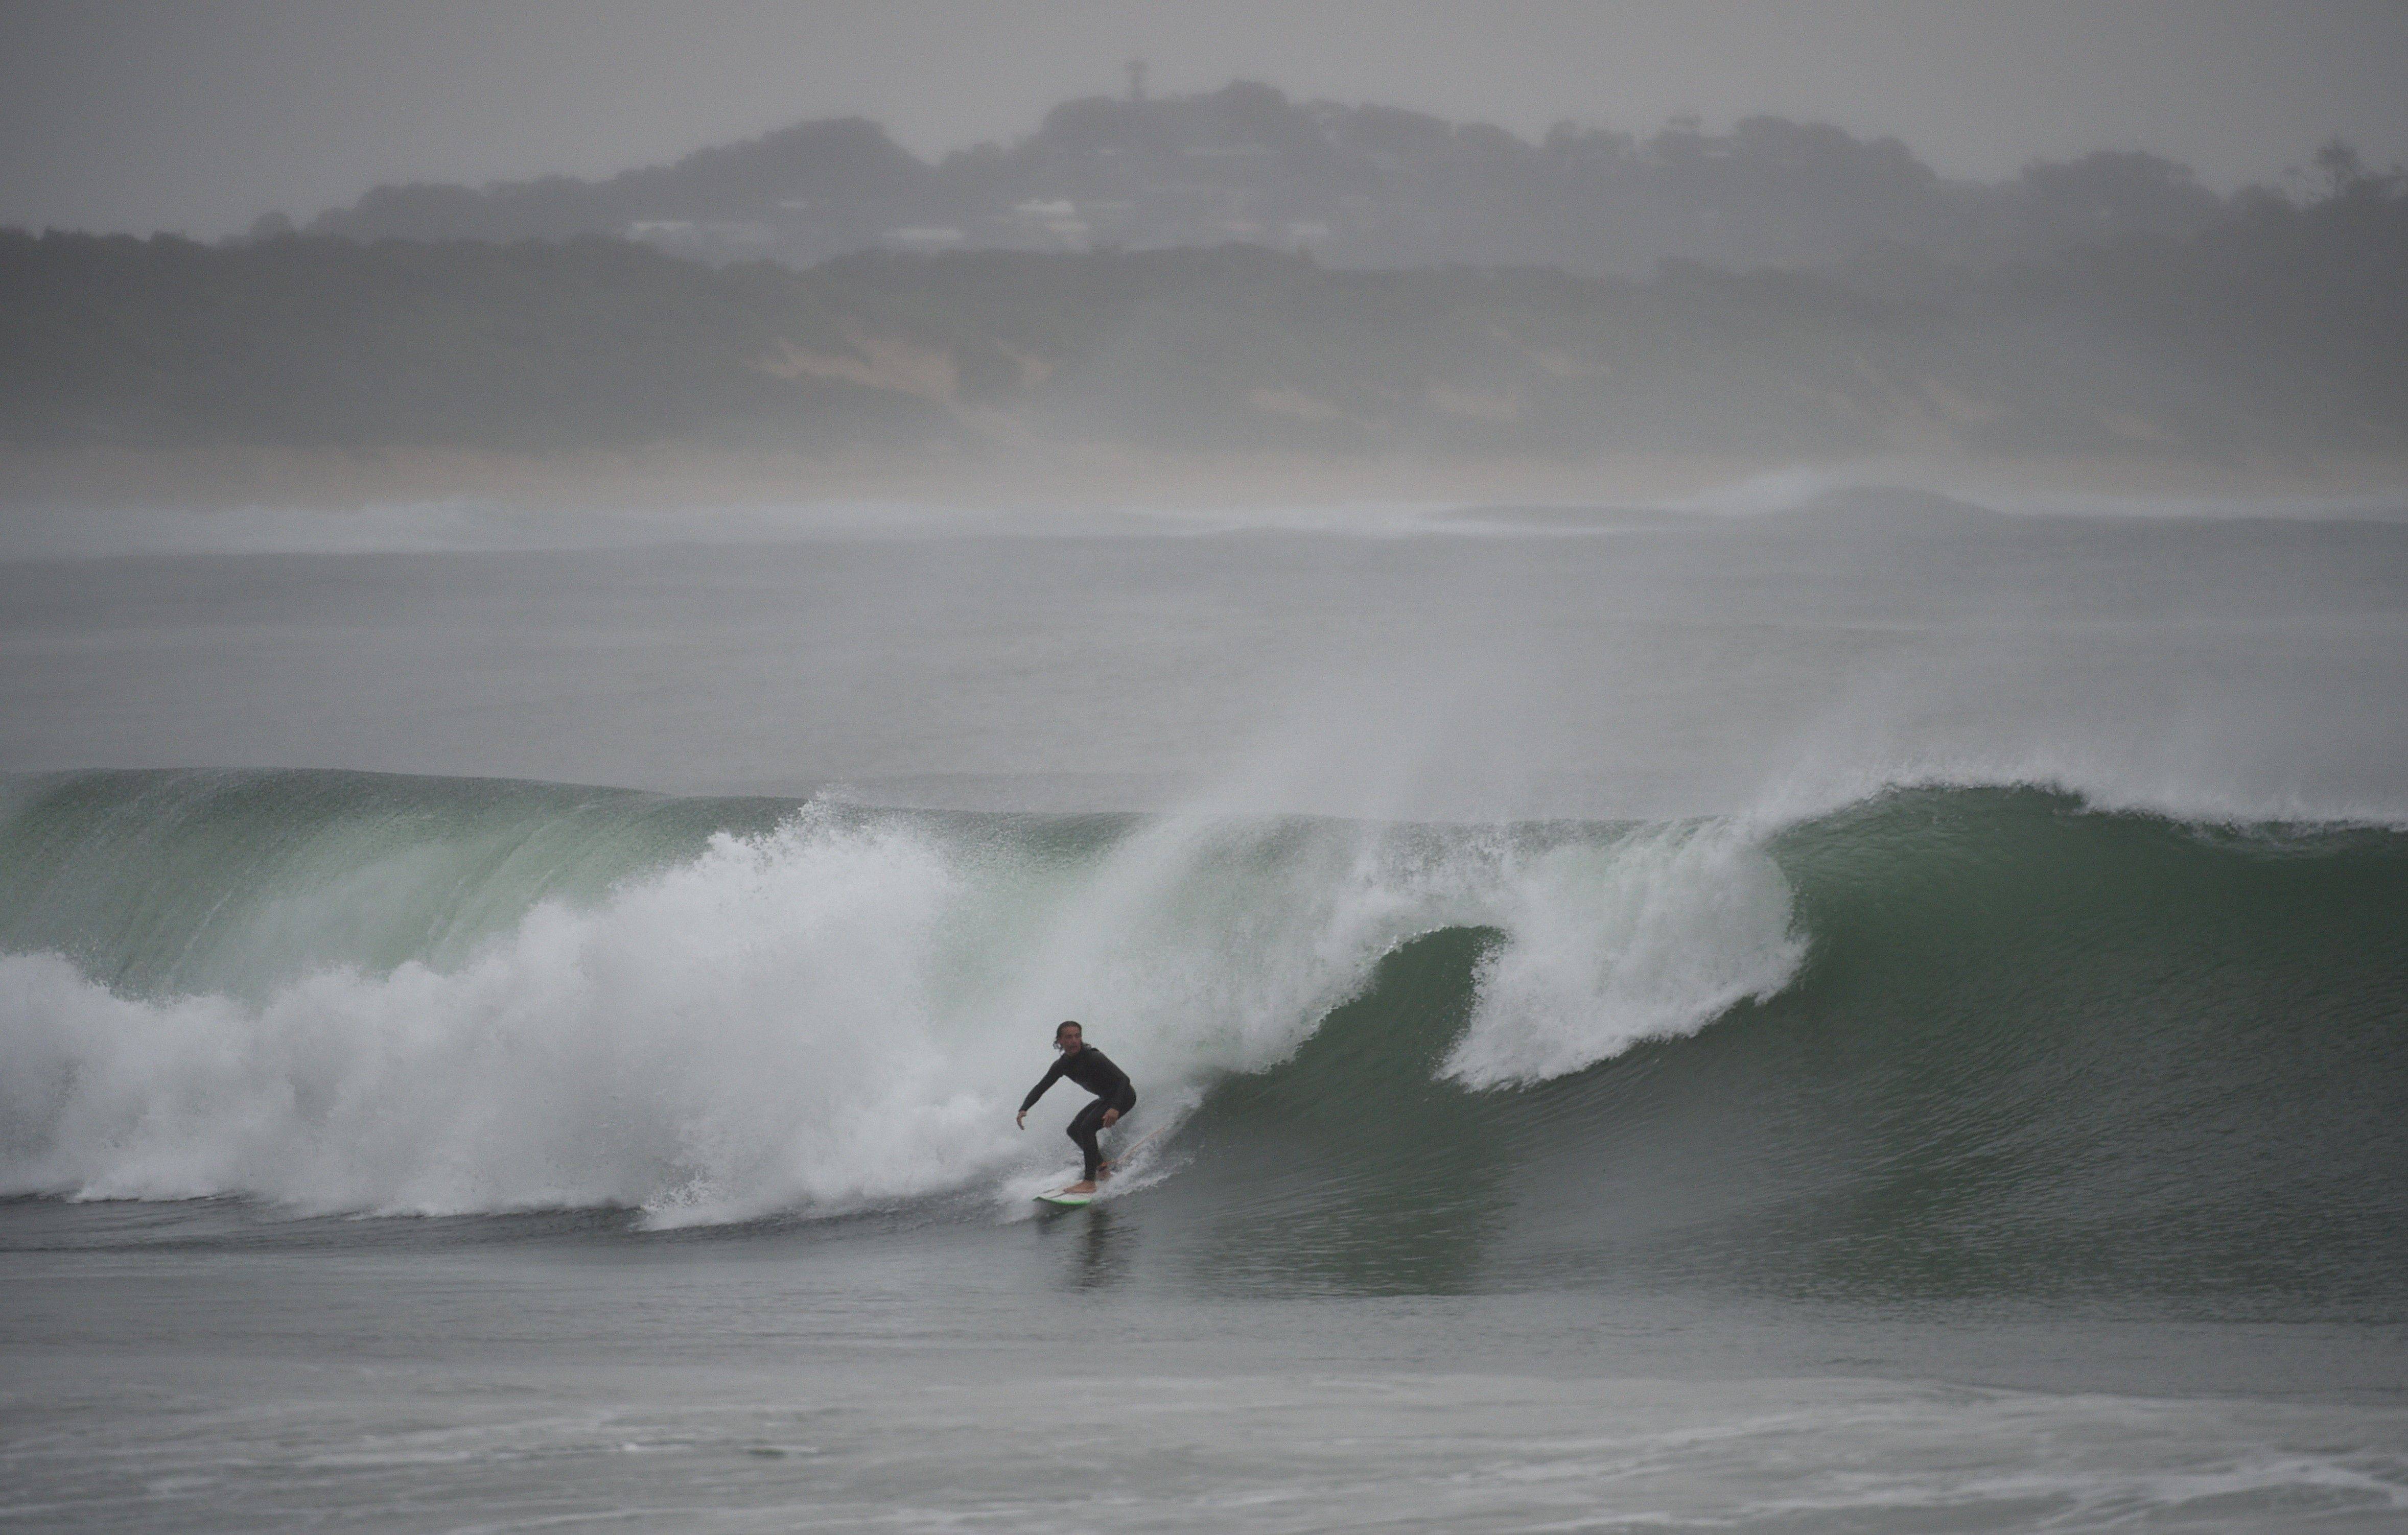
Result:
x=1093 y=1071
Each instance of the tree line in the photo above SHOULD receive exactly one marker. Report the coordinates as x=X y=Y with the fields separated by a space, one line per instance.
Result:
x=2275 y=329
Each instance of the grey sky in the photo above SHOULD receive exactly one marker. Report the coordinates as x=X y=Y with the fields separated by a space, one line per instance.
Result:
x=141 y=115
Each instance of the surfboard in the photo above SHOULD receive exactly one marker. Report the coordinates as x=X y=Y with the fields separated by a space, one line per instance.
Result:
x=1062 y=1198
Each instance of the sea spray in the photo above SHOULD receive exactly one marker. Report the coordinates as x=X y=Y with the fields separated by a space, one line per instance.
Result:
x=1655 y=935
x=685 y=1042
x=836 y=1012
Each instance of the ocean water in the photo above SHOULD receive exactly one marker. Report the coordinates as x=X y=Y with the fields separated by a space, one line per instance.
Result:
x=1875 y=1015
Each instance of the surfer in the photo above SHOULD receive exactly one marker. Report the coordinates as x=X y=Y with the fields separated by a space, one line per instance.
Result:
x=1087 y=1066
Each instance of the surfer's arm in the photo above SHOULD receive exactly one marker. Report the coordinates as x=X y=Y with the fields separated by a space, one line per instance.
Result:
x=1043 y=1082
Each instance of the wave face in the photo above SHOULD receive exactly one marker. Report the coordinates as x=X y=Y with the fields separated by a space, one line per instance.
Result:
x=1964 y=1039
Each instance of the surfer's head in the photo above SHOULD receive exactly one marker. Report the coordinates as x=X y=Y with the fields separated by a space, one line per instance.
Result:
x=1069 y=1038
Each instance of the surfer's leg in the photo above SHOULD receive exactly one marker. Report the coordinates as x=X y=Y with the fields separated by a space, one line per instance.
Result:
x=1123 y=1100
x=1083 y=1126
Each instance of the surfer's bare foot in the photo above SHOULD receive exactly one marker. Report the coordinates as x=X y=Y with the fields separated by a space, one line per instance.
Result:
x=1082 y=1186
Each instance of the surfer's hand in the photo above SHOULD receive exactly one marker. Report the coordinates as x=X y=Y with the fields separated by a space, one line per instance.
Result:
x=1111 y=1118
x=1021 y=1119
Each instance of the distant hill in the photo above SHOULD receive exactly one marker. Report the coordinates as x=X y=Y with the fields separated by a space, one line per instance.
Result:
x=2277 y=330
x=804 y=192
x=1356 y=186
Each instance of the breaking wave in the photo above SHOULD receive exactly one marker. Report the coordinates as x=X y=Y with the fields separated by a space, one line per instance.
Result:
x=348 y=992
x=1962 y=1038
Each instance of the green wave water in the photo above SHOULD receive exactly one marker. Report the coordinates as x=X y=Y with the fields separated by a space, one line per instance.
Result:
x=1944 y=1042
x=2035 y=1050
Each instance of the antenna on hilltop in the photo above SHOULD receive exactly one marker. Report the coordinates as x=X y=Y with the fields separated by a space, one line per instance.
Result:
x=1136 y=68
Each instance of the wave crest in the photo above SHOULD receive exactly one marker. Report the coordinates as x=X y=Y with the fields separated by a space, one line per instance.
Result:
x=1656 y=936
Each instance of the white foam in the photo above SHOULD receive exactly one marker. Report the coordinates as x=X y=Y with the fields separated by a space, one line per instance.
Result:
x=846 y=1012
x=1656 y=936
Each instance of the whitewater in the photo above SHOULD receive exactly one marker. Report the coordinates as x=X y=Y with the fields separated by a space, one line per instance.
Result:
x=1859 y=1011
x=813 y=1017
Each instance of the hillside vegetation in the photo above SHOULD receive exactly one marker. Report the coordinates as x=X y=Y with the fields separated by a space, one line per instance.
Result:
x=2275 y=330
x=1354 y=185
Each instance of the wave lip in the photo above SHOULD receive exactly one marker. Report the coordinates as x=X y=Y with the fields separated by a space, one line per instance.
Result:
x=1653 y=936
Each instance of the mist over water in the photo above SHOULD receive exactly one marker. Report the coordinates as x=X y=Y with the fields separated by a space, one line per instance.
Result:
x=1499 y=664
